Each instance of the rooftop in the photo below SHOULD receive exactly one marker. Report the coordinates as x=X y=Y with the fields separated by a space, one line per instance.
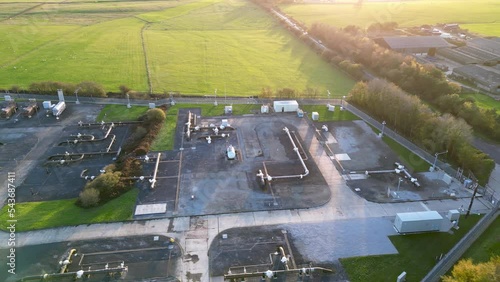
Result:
x=479 y=73
x=416 y=42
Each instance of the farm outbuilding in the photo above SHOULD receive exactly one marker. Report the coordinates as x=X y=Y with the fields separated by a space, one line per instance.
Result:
x=412 y=222
x=414 y=44
x=286 y=106
x=484 y=77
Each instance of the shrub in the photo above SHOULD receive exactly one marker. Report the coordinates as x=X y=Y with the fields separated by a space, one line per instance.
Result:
x=140 y=151
x=107 y=184
x=154 y=116
x=89 y=198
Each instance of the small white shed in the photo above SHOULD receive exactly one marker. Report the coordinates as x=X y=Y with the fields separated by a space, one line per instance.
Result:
x=286 y=106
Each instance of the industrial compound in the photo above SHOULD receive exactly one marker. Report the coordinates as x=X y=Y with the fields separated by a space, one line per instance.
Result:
x=219 y=165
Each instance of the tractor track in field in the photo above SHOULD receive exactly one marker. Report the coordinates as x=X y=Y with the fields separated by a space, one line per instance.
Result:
x=23 y=12
x=37 y=48
x=143 y=43
x=29 y=9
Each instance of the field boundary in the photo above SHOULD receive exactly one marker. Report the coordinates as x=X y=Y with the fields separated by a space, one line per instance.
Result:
x=23 y=11
x=143 y=43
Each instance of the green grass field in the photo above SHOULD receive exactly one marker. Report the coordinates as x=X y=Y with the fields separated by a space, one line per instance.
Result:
x=50 y=214
x=193 y=47
x=479 y=16
x=417 y=255
x=484 y=101
x=414 y=162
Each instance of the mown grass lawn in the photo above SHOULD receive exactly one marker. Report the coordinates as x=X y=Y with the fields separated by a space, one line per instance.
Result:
x=477 y=16
x=487 y=245
x=417 y=255
x=165 y=139
x=120 y=113
x=50 y=214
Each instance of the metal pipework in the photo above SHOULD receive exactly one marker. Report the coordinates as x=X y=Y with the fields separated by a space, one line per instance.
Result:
x=153 y=180
x=188 y=126
x=117 y=123
x=109 y=130
x=122 y=268
x=111 y=143
x=296 y=150
x=270 y=273
x=284 y=259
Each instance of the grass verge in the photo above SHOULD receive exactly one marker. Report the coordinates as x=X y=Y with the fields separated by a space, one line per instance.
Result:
x=417 y=255
x=416 y=163
x=50 y=214
x=487 y=245
x=120 y=113
x=165 y=139
x=326 y=115
x=409 y=159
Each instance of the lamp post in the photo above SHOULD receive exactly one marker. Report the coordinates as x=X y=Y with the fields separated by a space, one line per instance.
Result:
x=215 y=101
x=399 y=183
x=383 y=127
x=76 y=94
x=172 y=102
x=435 y=159
x=128 y=102
x=342 y=103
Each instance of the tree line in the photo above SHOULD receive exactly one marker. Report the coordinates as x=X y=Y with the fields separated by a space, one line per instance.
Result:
x=85 y=89
x=425 y=81
x=412 y=118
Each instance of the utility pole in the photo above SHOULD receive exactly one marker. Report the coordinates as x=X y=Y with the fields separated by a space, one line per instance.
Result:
x=476 y=185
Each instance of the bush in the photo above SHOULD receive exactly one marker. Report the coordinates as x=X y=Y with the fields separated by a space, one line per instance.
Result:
x=89 y=198
x=107 y=184
x=154 y=116
x=129 y=167
x=140 y=151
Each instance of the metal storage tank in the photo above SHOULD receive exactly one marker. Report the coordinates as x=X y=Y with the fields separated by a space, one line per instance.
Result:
x=58 y=109
x=412 y=222
x=286 y=106
x=231 y=153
